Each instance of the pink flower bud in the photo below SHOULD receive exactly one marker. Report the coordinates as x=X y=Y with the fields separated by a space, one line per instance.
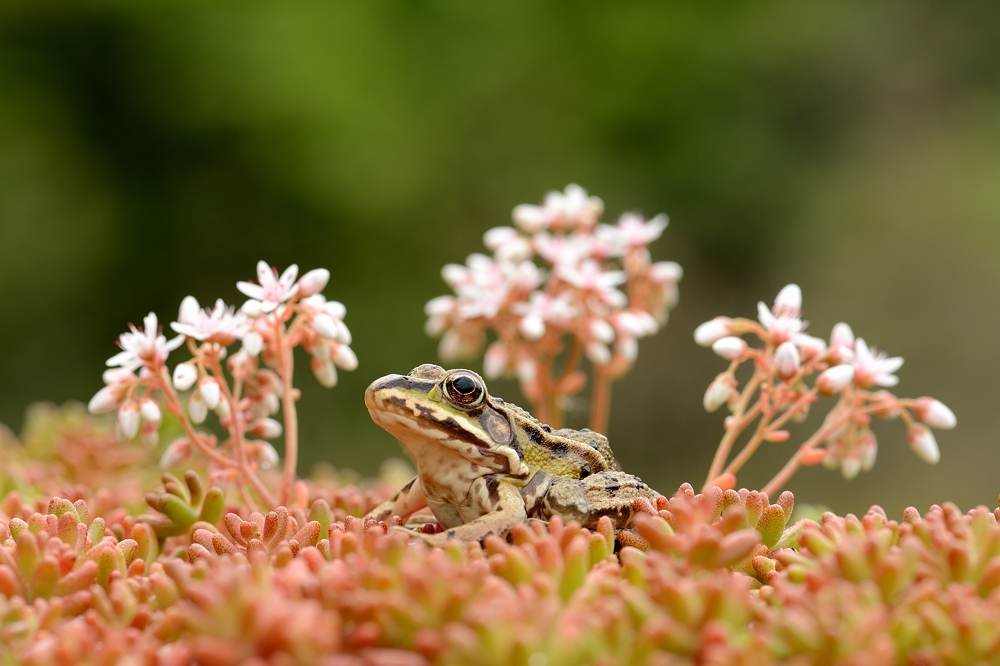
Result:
x=105 y=400
x=267 y=456
x=266 y=428
x=935 y=414
x=177 y=453
x=835 y=379
x=706 y=334
x=189 y=310
x=344 y=357
x=324 y=325
x=314 y=281
x=495 y=360
x=923 y=444
x=786 y=360
x=210 y=392
x=326 y=373
x=842 y=336
x=253 y=308
x=117 y=376
x=529 y=218
x=150 y=434
x=601 y=331
x=665 y=271
x=598 y=353
x=730 y=347
x=718 y=393
x=253 y=343
x=532 y=327
x=128 y=421
x=788 y=302
x=150 y=411
x=185 y=375
x=197 y=409
x=627 y=348
x=343 y=334
x=868 y=448
x=809 y=346
x=850 y=465
x=335 y=309
x=497 y=236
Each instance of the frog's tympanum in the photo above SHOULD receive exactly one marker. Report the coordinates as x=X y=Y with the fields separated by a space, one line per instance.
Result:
x=484 y=465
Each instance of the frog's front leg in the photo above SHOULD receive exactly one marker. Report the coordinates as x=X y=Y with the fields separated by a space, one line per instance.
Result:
x=501 y=507
x=408 y=500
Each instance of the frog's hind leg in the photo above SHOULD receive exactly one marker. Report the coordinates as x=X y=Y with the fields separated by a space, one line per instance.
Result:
x=586 y=501
x=408 y=500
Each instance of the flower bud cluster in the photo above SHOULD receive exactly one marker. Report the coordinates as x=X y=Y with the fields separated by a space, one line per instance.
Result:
x=558 y=278
x=784 y=360
x=282 y=312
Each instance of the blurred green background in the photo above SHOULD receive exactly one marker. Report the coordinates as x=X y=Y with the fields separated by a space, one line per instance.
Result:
x=153 y=150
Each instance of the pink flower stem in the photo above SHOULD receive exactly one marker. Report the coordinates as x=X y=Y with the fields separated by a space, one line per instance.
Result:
x=548 y=406
x=196 y=438
x=764 y=428
x=741 y=419
x=792 y=466
x=237 y=437
x=285 y=370
x=601 y=406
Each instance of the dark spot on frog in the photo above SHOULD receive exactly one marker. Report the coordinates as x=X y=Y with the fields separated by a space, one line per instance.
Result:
x=450 y=534
x=493 y=488
x=559 y=449
x=612 y=489
x=534 y=434
x=586 y=430
x=546 y=427
x=594 y=444
x=517 y=449
x=585 y=471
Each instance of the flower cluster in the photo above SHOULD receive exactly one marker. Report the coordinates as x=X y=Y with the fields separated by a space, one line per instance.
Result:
x=282 y=312
x=777 y=392
x=558 y=282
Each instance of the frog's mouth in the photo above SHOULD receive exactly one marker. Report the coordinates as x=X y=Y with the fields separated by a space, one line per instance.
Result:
x=399 y=404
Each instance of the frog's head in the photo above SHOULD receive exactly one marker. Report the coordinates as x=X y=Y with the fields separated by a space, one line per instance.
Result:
x=432 y=408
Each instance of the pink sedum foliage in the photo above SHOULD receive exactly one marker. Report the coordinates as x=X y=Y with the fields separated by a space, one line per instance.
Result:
x=718 y=577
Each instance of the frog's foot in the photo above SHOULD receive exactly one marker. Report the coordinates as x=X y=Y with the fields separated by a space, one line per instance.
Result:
x=586 y=501
x=404 y=503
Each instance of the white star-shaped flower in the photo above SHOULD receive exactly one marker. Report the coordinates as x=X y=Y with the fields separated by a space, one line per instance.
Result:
x=272 y=290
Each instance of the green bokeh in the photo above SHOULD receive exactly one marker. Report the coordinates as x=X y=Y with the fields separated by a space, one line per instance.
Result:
x=153 y=150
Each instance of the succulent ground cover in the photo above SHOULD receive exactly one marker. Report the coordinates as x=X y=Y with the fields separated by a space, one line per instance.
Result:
x=88 y=576
x=198 y=545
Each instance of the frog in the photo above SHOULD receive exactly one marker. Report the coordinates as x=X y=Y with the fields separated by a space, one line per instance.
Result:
x=485 y=465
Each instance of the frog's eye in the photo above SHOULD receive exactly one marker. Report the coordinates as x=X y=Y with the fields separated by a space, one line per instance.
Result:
x=464 y=389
